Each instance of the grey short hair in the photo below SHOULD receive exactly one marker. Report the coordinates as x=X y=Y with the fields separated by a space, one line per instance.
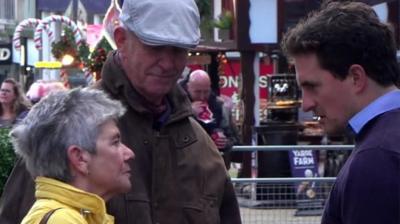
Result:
x=58 y=121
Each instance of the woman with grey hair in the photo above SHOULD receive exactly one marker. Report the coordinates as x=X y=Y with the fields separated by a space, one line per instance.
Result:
x=71 y=145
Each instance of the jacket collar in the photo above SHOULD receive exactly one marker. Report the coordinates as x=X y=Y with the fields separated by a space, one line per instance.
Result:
x=84 y=202
x=115 y=81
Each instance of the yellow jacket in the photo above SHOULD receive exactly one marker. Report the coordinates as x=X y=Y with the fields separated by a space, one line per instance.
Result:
x=76 y=206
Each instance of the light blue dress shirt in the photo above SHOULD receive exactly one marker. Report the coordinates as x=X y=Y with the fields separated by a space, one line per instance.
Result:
x=387 y=102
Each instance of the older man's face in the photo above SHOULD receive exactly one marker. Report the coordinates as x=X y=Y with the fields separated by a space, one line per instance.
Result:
x=199 y=90
x=152 y=70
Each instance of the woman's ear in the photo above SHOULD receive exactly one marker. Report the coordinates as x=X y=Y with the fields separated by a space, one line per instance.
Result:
x=79 y=159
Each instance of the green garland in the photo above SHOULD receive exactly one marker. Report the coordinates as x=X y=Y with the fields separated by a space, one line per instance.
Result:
x=66 y=45
x=93 y=61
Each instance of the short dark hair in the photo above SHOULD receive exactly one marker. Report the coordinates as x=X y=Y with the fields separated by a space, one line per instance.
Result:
x=346 y=33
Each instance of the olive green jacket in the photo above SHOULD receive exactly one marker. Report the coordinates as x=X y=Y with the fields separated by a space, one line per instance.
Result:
x=178 y=174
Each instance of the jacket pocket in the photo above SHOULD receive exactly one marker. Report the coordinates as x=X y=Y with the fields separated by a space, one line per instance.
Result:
x=211 y=210
x=204 y=212
x=193 y=213
x=183 y=134
x=137 y=209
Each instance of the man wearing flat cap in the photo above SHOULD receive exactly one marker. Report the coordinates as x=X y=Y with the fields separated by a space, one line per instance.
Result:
x=178 y=175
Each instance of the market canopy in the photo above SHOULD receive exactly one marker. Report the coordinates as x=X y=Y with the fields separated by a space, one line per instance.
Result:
x=91 y=6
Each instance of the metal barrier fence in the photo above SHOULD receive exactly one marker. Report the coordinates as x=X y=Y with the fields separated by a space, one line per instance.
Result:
x=283 y=200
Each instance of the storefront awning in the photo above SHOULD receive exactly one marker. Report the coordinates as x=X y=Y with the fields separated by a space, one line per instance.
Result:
x=91 y=6
x=96 y=6
x=52 y=5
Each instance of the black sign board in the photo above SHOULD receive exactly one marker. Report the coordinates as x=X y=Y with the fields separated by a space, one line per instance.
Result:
x=5 y=54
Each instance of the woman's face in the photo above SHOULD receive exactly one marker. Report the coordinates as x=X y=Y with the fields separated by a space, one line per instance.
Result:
x=109 y=169
x=7 y=94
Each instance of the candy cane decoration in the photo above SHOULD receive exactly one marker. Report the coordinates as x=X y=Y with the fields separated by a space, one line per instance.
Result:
x=31 y=22
x=64 y=78
x=45 y=26
x=89 y=77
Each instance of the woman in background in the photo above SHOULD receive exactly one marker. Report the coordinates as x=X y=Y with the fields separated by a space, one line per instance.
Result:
x=14 y=104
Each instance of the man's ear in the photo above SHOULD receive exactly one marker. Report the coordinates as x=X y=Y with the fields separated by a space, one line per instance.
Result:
x=79 y=159
x=120 y=36
x=359 y=78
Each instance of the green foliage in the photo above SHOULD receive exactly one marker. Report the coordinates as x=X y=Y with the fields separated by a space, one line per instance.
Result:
x=7 y=156
x=66 y=45
x=84 y=52
x=94 y=61
x=224 y=21
x=204 y=8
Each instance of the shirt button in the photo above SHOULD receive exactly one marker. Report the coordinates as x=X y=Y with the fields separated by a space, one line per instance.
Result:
x=146 y=142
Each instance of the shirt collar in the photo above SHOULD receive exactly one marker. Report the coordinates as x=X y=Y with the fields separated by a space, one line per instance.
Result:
x=162 y=117
x=387 y=102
